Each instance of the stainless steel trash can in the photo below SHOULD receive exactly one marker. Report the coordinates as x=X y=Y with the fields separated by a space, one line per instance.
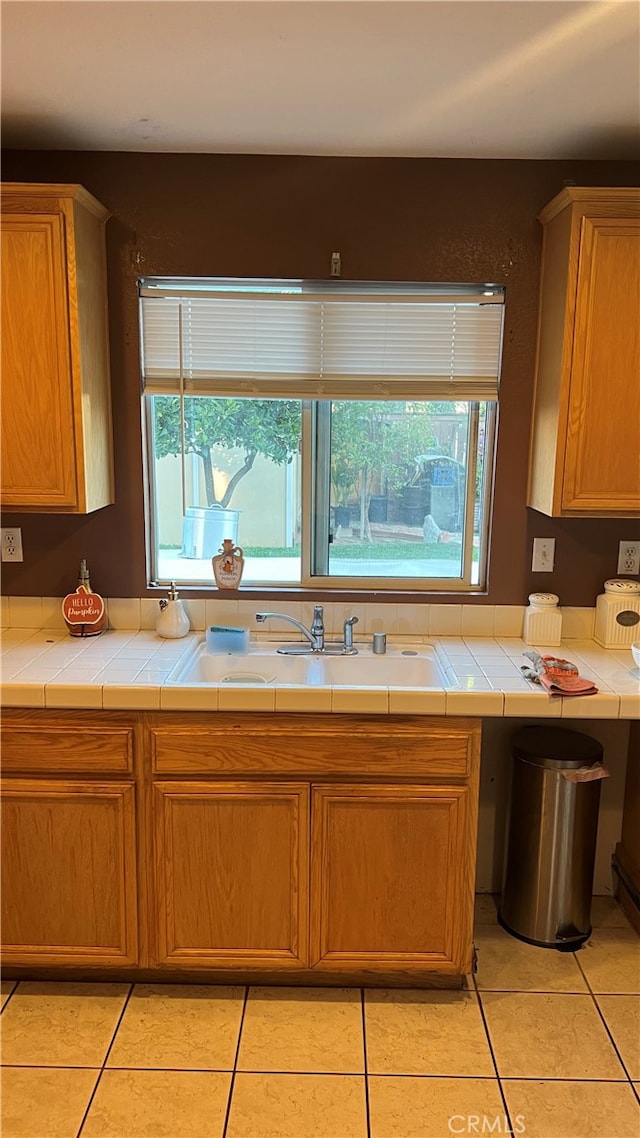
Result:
x=551 y=838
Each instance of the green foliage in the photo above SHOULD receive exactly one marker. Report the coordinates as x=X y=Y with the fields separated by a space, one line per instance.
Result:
x=376 y=437
x=268 y=427
x=369 y=439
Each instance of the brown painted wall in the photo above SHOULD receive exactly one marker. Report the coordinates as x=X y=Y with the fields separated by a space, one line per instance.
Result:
x=391 y=219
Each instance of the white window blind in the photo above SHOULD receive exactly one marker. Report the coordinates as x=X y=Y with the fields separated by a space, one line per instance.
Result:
x=290 y=339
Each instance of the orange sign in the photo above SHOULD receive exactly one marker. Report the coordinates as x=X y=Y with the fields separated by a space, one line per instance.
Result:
x=83 y=607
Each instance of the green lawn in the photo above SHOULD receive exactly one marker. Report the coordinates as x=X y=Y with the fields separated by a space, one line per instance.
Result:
x=376 y=551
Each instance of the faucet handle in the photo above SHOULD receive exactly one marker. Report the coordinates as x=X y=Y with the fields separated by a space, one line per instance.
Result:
x=348 y=633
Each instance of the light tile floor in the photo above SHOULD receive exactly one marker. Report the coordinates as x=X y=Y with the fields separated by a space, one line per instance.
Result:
x=540 y=1043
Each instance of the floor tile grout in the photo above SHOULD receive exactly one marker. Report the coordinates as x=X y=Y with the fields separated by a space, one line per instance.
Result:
x=493 y=1057
x=10 y=997
x=606 y=1025
x=539 y=992
x=232 y=1081
x=559 y=1079
x=108 y=1052
x=504 y=1082
x=366 y=1064
x=328 y=1074
x=623 y=1079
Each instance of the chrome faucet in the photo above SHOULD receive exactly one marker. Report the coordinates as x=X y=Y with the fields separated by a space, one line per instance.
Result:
x=347 y=648
x=314 y=635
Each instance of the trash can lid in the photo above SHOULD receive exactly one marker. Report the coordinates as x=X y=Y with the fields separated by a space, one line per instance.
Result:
x=542 y=745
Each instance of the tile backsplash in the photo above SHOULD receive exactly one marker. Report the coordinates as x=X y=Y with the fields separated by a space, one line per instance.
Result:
x=396 y=620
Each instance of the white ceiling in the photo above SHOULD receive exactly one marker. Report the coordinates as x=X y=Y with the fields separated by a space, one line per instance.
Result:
x=439 y=78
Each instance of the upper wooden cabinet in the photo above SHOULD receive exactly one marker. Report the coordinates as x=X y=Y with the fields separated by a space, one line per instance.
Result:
x=585 y=442
x=56 y=406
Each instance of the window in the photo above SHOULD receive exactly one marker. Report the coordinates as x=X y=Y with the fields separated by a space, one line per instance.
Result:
x=341 y=433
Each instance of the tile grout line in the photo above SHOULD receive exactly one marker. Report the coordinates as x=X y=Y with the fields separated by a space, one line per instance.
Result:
x=320 y=1074
x=538 y=992
x=227 y=1114
x=366 y=1064
x=606 y=1025
x=224 y=1071
x=563 y=1079
x=10 y=996
x=493 y=1058
x=108 y=1052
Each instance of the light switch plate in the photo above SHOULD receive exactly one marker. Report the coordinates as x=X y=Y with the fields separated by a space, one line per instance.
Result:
x=544 y=551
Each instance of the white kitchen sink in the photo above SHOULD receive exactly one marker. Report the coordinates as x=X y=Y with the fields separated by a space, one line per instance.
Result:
x=398 y=668
x=205 y=667
x=392 y=670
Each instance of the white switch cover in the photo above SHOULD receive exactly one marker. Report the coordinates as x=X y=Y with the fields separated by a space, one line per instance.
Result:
x=11 y=544
x=544 y=551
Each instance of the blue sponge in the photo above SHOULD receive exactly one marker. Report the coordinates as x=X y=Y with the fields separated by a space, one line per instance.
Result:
x=231 y=640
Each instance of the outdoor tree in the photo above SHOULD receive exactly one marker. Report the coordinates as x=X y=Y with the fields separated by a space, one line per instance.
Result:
x=372 y=440
x=254 y=426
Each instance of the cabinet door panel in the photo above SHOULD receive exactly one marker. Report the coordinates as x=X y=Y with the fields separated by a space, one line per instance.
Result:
x=231 y=873
x=602 y=464
x=392 y=878
x=38 y=453
x=68 y=873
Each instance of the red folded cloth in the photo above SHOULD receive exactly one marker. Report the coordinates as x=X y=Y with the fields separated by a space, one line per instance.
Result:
x=557 y=676
x=567 y=685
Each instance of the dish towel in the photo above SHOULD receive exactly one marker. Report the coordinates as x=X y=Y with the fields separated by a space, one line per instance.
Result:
x=557 y=676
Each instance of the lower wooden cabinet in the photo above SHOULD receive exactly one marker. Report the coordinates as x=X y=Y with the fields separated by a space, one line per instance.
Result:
x=69 y=888
x=289 y=848
x=392 y=878
x=232 y=866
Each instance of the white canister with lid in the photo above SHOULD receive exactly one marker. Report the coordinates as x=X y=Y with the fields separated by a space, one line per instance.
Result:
x=543 y=620
x=618 y=614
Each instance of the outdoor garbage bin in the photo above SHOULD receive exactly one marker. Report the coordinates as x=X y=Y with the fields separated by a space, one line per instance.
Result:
x=205 y=528
x=551 y=837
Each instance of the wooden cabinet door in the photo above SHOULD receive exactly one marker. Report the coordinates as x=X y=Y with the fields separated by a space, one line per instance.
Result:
x=68 y=873
x=602 y=458
x=392 y=878
x=232 y=874
x=38 y=450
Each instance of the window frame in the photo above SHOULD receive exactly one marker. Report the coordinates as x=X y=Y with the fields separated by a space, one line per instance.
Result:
x=315 y=485
x=315 y=502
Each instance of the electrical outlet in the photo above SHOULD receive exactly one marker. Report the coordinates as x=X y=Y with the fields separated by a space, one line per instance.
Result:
x=544 y=551
x=629 y=557
x=11 y=544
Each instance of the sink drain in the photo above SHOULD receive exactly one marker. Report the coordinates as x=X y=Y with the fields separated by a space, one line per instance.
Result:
x=244 y=678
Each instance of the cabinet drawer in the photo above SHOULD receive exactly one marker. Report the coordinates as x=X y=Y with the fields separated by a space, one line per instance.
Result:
x=365 y=749
x=99 y=750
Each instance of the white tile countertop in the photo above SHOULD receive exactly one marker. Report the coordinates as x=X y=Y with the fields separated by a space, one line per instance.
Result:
x=128 y=670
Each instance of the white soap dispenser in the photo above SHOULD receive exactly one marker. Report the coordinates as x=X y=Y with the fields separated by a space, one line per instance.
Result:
x=173 y=621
